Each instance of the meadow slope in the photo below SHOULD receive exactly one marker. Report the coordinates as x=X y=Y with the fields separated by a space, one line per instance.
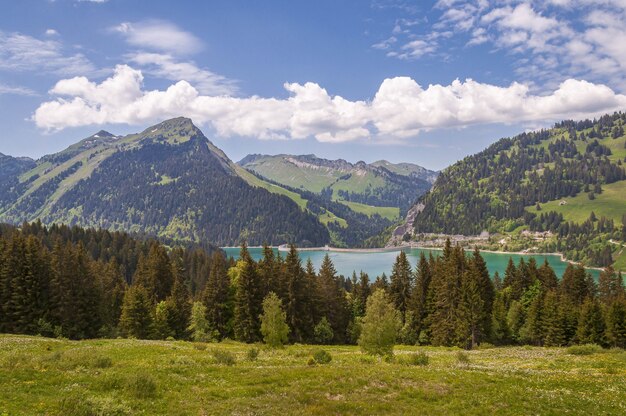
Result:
x=118 y=377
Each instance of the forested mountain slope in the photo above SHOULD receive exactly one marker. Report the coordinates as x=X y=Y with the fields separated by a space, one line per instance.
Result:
x=168 y=181
x=569 y=180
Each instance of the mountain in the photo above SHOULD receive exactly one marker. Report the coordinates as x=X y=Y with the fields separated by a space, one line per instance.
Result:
x=382 y=186
x=169 y=181
x=560 y=189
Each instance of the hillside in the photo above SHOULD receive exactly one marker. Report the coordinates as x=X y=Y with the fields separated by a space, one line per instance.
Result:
x=169 y=181
x=568 y=180
x=126 y=377
x=382 y=186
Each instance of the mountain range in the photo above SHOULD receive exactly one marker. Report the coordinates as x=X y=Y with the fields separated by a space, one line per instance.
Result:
x=168 y=181
x=171 y=181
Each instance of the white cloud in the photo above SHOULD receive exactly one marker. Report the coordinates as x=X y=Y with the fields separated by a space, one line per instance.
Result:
x=579 y=38
x=20 y=52
x=160 y=36
x=401 y=108
x=167 y=67
x=7 y=89
x=51 y=32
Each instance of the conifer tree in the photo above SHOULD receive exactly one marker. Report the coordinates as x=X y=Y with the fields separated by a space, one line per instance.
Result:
x=269 y=275
x=216 y=297
x=610 y=286
x=501 y=333
x=551 y=320
x=335 y=305
x=547 y=277
x=591 y=324
x=298 y=317
x=247 y=303
x=314 y=301
x=154 y=273
x=616 y=323
x=471 y=313
x=445 y=286
x=179 y=300
x=136 y=317
x=112 y=288
x=401 y=284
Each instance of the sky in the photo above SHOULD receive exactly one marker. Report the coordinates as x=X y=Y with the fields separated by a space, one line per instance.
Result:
x=426 y=82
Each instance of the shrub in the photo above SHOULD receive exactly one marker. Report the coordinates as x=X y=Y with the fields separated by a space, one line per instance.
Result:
x=142 y=386
x=323 y=332
x=252 y=354
x=586 y=349
x=417 y=358
x=102 y=362
x=223 y=357
x=322 y=357
x=462 y=358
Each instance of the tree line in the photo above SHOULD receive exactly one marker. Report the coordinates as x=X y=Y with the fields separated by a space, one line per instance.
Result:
x=53 y=284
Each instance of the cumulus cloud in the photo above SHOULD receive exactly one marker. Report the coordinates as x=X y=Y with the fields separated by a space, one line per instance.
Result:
x=401 y=108
x=159 y=35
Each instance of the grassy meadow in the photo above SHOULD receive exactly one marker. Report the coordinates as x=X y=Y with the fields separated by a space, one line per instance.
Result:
x=122 y=377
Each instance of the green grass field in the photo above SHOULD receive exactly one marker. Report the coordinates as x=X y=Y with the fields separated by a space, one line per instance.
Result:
x=611 y=203
x=124 y=377
x=391 y=213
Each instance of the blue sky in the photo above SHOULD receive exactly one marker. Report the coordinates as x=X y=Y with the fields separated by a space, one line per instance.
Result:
x=423 y=82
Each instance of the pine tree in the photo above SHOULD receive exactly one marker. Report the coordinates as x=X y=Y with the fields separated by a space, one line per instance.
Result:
x=610 y=286
x=532 y=330
x=445 y=286
x=154 y=273
x=401 y=284
x=314 y=300
x=136 y=317
x=298 y=316
x=217 y=299
x=335 y=305
x=616 y=323
x=247 y=303
x=501 y=334
x=269 y=275
x=551 y=321
x=471 y=312
x=591 y=324
x=179 y=301
x=112 y=288
x=547 y=277
x=273 y=322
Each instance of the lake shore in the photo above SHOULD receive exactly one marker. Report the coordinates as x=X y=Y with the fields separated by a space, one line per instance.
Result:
x=284 y=248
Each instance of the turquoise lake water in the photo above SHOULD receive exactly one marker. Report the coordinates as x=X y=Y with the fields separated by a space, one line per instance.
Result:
x=375 y=264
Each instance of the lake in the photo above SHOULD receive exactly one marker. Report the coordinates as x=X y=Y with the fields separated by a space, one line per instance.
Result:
x=377 y=263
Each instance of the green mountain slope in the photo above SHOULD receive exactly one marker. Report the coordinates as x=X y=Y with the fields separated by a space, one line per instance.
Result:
x=549 y=180
x=169 y=181
x=382 y=187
